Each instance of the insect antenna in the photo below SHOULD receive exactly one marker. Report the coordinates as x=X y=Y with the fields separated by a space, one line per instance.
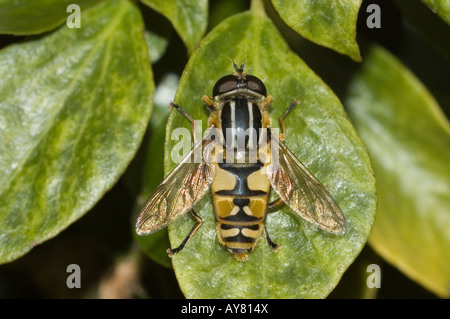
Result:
x=238 y=70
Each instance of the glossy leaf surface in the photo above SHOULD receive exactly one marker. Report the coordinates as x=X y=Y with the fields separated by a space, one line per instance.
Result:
x=22 y=17
x=74 y=106
x=328 y=23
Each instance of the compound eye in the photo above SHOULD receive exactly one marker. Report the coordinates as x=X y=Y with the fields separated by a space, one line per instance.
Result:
x=256 y=85
x=225 y=84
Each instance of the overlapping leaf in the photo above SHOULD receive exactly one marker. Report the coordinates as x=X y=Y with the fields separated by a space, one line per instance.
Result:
x=189 y=18
x=328 y=23
x=408 y=139
x=74 y=106
x=22 y=17
x=441 y=7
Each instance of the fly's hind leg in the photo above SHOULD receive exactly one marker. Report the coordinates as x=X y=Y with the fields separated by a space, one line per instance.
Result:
x=272 y=207
x=281 y=118
x=269 y=241
x=198 y=223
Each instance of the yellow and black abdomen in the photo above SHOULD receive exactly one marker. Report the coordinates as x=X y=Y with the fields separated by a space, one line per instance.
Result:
x=240 y=193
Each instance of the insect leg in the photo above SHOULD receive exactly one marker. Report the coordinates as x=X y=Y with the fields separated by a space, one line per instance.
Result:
x=272 y=207
x=269 y=241
x=209 y=102
x=275 y=205
x=198 y=222
x=281 y=118
x=185 y=114
x=267 y=101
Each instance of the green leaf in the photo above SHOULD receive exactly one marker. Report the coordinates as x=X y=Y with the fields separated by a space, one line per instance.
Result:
x=189 y=18
x=331 y=24
x=409 y=142
x=74 y=107
x=441 y=7
x=22 y=17
x=309 y=263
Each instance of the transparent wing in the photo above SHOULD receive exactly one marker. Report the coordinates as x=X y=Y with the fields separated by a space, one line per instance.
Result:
x=178 y=192
x=302 y=192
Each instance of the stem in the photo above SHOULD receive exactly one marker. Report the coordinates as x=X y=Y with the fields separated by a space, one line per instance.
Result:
x=257 y=7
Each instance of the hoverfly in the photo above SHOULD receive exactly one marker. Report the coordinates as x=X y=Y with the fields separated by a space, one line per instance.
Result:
x=239 y=186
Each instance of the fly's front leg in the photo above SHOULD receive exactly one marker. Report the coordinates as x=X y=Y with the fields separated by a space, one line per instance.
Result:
x=186 y=115
x=209 y=102
x=198 y=223
x=267 y=101
x=281 y=118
